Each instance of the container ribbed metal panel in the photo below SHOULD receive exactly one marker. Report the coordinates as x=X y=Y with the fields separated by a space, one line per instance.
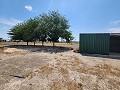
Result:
x=95 y=43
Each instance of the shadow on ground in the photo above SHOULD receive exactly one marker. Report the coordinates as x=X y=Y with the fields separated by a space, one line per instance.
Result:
x=111 y=55
x=50 y=49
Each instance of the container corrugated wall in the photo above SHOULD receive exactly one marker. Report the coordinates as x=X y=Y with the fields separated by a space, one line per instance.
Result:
x=95 y=43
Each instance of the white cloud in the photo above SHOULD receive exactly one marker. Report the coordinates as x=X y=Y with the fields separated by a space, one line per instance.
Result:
x=114 y=30
x=10 y=22
x=114 y=27
x=28 y=7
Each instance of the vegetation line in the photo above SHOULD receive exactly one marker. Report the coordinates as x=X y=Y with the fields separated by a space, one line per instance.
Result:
x=45 y=27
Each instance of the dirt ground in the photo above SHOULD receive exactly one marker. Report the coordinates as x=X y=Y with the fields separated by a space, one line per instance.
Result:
x=58 y=68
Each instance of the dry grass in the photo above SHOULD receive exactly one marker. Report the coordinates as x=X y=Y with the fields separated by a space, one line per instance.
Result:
x=101 y=70
x=72 y=85
x=67 y=85
x=64 y=70
x=76 y=61
x=46 y=70
x=73 y=45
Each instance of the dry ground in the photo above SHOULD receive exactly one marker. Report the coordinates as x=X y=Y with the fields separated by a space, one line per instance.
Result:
x=58 y=68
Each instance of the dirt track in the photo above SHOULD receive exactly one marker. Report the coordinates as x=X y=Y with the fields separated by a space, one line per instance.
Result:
x=47 y=68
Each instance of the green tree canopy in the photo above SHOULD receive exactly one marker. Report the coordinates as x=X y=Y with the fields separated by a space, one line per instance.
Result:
x=1 y=39
x=46 y=27
x=42 y=28
x=57 y=25
x=16 y=33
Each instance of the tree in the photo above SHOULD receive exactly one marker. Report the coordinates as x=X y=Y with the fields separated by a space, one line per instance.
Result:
x=57 y=24
x=24 y=31
x=16 y=33
x=42 y=29
x=46 y=27
x=1 y=39
x=30 y=30
x=67 y=35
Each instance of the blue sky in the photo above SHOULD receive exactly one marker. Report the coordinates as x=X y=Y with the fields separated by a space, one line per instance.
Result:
x=85 y=16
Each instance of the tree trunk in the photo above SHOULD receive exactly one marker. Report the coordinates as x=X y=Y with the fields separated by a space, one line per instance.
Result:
x=42 y=43
x=53 y=43
x=27 y=43
x=34 y=43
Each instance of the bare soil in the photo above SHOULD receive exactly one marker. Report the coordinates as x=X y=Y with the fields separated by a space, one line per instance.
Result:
x=58 y=68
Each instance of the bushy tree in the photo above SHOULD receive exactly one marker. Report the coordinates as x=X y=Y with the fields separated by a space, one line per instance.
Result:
x=46 y=27
x=30 y=30
x=67 y=35
x=42 y=28
x=1 y=39
x=57 y=24
x=24 y=31
x=16 y=33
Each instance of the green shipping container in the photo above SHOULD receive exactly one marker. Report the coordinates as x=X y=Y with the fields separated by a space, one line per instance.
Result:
x=96 y=43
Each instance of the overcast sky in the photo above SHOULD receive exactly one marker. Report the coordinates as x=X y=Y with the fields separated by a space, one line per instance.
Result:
x=85 y=16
